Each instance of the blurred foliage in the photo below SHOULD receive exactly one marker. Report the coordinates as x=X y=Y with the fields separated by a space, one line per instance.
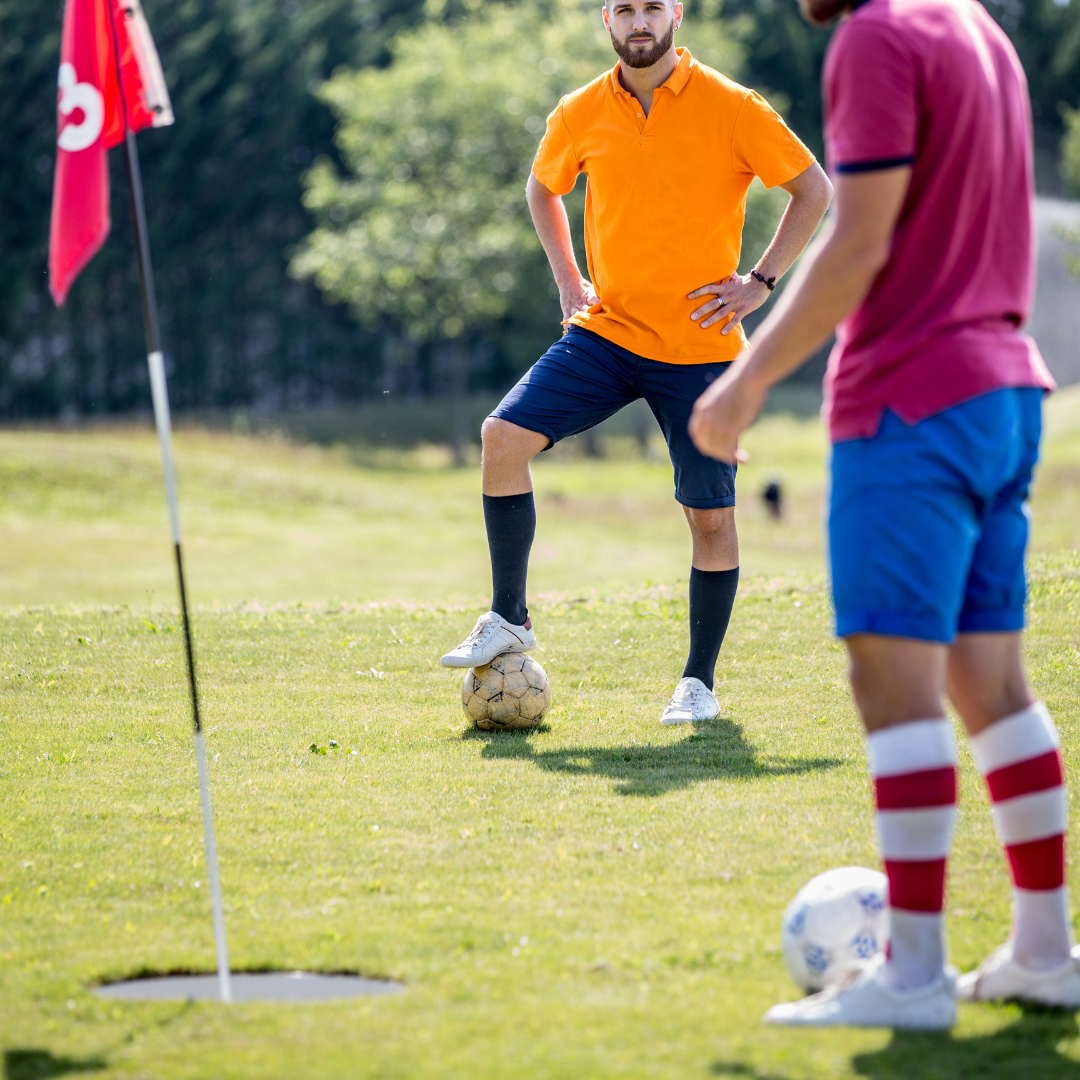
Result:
x=256 y=99
x=1046 y=34
x=1070 y=150
x=1070 y=168
x=783 y=61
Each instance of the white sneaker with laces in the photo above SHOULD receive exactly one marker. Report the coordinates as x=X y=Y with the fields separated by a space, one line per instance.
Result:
x=864 y=999
x=1001 y=978
x=490 y=637
x=692 y=700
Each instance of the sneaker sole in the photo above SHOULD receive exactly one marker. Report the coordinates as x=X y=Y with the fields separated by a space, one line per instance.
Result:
x=1030 y=998
x=912 y=1021
x=671 y=721
x=452 y=661
x=1056 y=996
x=904 y=1024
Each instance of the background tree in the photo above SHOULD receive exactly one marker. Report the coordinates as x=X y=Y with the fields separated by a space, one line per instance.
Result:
x=1070 y=167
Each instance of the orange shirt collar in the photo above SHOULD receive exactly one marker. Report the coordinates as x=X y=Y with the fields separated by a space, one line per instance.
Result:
x=675 y=81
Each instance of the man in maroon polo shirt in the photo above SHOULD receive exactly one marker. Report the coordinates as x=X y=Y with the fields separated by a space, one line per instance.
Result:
x=933 y=399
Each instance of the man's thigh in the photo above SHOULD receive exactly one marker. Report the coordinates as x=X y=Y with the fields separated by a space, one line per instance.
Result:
x=927 y=526
x=701 y=483
x=996 y=587
x=901 y=533
x=579 y=382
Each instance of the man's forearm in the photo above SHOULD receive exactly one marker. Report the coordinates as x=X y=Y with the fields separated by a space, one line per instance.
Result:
x=829 y=284
x=810 y=193
x=735 y=297
x=795 y=231
x=834 y=277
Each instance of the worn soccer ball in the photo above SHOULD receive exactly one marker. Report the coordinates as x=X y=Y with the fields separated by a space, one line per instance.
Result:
x=510 y=693
x=835 y=923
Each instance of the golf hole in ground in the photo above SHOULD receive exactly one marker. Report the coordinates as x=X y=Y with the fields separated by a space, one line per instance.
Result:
x=249 y=986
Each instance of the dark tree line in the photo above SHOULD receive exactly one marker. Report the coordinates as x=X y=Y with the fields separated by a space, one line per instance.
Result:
x=224 y=191
x=223 y=196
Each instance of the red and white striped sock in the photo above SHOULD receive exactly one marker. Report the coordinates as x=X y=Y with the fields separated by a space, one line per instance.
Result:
x=1020 y=760
x=914 y=770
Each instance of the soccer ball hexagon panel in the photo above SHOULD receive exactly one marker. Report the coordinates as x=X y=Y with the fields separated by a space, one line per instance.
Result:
x=510 y=693
x=835 y=923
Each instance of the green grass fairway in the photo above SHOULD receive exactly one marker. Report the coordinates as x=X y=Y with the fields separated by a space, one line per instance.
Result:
x=83 y=519
x=600 y=898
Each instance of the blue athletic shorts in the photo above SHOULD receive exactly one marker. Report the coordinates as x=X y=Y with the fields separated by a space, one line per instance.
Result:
x=928 y=522
x=583 y=379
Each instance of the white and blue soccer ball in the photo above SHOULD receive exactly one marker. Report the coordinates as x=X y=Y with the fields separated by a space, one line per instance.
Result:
x=836 y=923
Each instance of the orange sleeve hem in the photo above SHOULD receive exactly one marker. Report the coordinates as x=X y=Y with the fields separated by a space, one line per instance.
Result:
x=554 y=186
x=541 y=173
x=810 y=159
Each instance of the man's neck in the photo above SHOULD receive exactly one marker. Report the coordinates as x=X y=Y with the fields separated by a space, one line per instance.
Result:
x=641 y=82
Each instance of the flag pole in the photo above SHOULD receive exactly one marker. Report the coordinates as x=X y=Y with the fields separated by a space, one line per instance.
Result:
x=159 y=389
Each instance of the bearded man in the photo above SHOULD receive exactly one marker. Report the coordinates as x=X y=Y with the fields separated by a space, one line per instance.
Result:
x=670 y=148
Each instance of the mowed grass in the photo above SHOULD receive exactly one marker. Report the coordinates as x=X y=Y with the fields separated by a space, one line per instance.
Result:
x=599 y=898
x=83 y=518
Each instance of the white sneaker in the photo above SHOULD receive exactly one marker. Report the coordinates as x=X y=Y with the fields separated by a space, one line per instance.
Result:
x=1000 y=978
x=692 y=700
x=490 y=637
x=864 y=1000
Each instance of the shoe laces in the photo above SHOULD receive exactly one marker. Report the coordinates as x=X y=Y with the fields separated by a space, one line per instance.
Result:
x=481 y=632
x=688 y=693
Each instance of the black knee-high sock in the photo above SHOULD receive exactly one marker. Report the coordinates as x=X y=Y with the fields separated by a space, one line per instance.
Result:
x=511 y=526
x=712 y=596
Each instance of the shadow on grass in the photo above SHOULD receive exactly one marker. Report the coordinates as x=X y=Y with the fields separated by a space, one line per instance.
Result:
x=40 y=1065
x=34 y=1064
x=1027 y=1049
x=716 y=751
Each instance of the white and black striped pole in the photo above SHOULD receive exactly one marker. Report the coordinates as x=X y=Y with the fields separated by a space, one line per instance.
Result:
x=160 y=392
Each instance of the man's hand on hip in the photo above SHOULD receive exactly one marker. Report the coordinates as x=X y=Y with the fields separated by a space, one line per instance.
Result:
x=736 y=296
x=725 y=411
x=575 y=296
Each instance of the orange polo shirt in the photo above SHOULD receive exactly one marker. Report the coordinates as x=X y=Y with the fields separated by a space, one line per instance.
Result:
x=666 y=199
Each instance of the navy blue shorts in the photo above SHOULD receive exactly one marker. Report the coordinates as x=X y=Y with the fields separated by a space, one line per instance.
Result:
x=583 y=379
x=928 y=522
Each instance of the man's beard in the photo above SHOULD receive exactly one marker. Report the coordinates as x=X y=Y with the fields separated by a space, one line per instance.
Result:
x=636 y=57
x=822 y=12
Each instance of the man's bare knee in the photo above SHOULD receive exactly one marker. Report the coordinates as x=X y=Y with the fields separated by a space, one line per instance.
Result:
x=709 y=523
x=502 y=439
x=986 y=678
x=715 y=539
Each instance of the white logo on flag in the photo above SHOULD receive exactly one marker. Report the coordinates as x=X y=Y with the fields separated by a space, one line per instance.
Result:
x=76 y=95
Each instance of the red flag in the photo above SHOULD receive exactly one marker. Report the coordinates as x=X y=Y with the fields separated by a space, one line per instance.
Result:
x=110 y=81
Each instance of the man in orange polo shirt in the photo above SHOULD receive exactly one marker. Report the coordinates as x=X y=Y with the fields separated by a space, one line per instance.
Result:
x=669 y=147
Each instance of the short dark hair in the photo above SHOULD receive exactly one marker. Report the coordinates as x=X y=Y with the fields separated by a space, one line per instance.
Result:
x=823 y=12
